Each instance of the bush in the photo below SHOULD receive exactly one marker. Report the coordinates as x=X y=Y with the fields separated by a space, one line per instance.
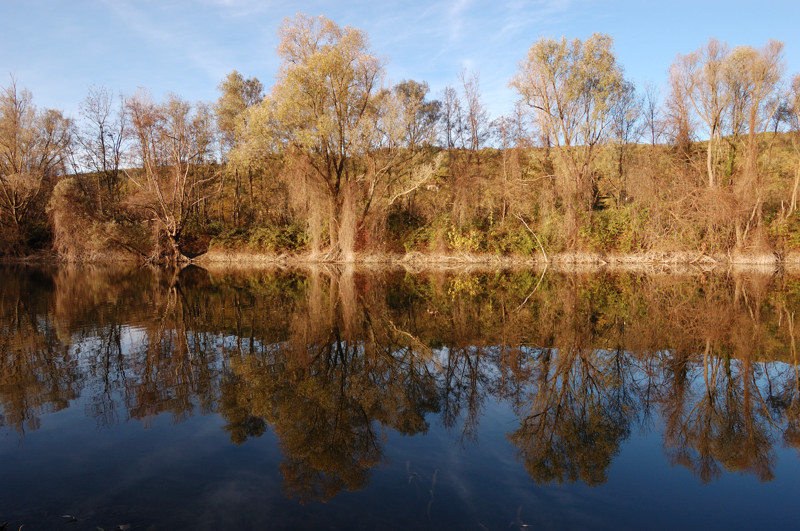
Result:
x=231 y=238
x=507 y=239
x=465 y=240
x=614 y=229
x=289 y=238
x=69 y=216
x=786 y=232
x=428 y=237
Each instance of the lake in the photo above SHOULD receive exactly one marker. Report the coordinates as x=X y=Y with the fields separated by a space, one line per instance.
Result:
x=342 y=398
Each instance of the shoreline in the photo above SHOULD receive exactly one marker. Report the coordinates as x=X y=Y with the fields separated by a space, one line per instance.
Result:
x=567 y=258
x=679 y=260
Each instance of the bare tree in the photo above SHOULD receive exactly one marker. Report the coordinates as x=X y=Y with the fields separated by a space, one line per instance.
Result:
x=102 y=141
x=794 y=120
x=174 y=146
x=753 y=79
x=651 y=114
x=626 y=130
x=701 y=77
x=679 y=125
x=451 y=118
x=476 y=119
x=512 y=135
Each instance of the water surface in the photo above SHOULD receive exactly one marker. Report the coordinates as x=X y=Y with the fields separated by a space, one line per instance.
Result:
x=345 y=399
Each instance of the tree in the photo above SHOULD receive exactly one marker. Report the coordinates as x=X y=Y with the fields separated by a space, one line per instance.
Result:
x=626 y=130
x=323 y=116
x=34 y=147
x=451 y=118
x=678 y=123
x=510 y=132
x=85 y=210
x=733 y=92
x=753 y=81
x=651 y=114
x=102 y=139
x=794 y=117
x=419 y=115
x=476 y=120
x=237 y=95
x=174 y=142
x=701 y=78
x=571 y=87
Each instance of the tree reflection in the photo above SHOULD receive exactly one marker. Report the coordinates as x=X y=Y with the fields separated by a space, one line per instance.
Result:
x=332 y=359
x=38 y=374
x=575 y=421
x=718 y=424
x=343 y=374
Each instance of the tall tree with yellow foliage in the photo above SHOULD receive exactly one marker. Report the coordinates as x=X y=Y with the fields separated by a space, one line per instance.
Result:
x=323 y=114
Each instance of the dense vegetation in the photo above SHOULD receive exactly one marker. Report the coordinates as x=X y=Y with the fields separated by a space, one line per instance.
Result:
x=333 y=164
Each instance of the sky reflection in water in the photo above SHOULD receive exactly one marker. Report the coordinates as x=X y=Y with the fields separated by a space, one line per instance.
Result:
x=336 y=398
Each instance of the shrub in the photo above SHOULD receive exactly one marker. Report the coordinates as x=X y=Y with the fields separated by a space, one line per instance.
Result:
x=614 y=229
x=465 y=240
x=786 y=232
x=289 y=238
x=507 y=239
x=230 y=238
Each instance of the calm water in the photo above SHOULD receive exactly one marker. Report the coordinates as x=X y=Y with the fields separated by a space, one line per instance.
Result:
x=340 y=399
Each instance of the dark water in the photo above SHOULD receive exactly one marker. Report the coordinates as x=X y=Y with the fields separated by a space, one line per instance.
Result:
x=340 y=399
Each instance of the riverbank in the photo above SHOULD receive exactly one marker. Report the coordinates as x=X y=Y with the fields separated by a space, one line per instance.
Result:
x=587 y=258
x=655 y=261
x=563 y=261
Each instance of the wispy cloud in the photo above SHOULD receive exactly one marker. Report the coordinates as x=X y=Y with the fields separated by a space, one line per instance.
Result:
x=240 y=8
x=522 y=16
x=456 y=16
x=175 y=37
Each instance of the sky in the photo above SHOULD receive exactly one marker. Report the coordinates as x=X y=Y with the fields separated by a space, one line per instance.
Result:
x=58 y=49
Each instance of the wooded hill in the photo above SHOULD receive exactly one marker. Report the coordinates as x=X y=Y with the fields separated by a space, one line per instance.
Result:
x=333 y=164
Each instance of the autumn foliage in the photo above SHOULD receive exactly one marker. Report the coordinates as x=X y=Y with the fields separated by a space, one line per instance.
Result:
x=333 y=163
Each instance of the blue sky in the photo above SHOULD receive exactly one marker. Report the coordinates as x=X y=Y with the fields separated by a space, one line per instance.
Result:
x=57 y=49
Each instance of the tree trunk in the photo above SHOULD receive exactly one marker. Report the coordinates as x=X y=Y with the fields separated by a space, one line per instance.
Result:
x=347 y=221
x=709 y=160
x=176 y=252
x=237 y=215
x=793 y=204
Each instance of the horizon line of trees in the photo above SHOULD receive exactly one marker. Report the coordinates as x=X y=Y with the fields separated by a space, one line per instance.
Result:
x=333 y=161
